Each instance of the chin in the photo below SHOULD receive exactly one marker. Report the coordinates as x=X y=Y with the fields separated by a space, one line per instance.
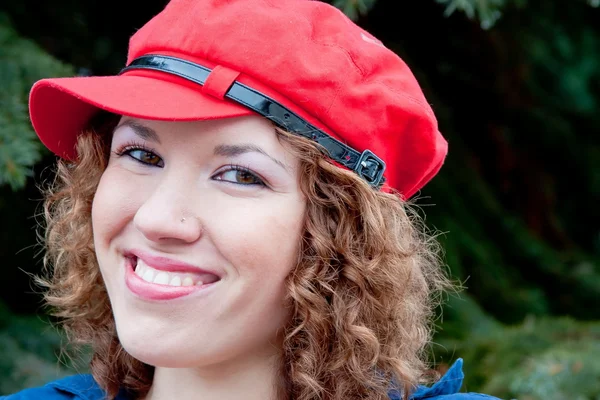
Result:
x=157 y=354
x=171 y=347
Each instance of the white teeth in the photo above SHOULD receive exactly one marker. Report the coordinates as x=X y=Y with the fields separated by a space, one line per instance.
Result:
x=162 y=278
x=148 y=275
x=157 y=277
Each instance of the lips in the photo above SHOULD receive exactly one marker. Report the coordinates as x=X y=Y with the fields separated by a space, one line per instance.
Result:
x=159 y=278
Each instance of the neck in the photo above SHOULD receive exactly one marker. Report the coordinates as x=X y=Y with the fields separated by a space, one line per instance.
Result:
x=251 y=379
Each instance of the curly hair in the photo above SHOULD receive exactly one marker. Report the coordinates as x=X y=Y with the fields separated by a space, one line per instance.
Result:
x=361 y=296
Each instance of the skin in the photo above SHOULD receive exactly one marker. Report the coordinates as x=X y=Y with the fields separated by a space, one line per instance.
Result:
x=222 y=343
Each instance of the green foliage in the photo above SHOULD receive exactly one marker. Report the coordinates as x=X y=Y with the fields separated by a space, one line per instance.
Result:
x=539 y=359
x=354 y=8
x=486 y=11
x=520 y=187
x=29 y=349
x=471 y=207
x=21 y=63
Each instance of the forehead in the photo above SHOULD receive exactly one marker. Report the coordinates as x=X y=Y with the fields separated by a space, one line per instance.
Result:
x=240 y=128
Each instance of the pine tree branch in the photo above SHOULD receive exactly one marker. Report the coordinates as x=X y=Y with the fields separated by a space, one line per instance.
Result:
x=354 y=8
x=485 y=11
x=21 y=64
x=488 y=12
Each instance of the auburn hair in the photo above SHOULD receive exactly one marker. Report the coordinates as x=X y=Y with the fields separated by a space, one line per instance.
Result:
x=361 y=297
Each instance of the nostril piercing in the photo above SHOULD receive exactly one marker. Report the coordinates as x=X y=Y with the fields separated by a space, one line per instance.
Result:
x=182 y=219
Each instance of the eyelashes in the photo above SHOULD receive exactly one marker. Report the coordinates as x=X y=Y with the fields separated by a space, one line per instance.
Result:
x=239 y=175
x=141 y=153
x=230 y=173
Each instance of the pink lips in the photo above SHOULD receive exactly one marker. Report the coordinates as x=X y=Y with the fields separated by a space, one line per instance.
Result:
x=153 y=291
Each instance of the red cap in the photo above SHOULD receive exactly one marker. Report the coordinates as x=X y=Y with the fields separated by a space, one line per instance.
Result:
x=304 y=55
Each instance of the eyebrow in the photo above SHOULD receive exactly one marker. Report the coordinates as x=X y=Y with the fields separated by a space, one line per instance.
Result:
x=232 y=150
x=142 y=131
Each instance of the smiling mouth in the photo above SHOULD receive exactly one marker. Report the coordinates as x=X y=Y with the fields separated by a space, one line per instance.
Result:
x=173 y=278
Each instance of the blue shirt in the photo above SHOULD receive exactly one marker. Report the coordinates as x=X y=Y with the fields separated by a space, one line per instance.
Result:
x=83 y=387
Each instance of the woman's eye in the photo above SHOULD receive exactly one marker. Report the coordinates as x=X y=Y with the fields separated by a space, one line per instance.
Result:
x=240 y=176
x=145 y=157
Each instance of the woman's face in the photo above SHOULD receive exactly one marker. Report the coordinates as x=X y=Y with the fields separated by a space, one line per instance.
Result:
x=196 y=226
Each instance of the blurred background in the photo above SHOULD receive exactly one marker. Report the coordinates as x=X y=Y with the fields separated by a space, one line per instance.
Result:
x=516 y=87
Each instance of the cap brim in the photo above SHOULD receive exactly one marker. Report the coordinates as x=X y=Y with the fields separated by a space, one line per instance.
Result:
x=61 y=108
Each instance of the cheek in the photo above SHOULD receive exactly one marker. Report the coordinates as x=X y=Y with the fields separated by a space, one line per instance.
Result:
x=261 y=241
x=267 y=238
x=261 y=244
x=114 y=205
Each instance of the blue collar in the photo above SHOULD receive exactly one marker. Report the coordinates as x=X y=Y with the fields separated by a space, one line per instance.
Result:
x=450 y=383
x=83 y=387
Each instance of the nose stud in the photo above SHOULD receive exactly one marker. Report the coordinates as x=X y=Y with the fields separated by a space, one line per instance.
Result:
x=182 y=220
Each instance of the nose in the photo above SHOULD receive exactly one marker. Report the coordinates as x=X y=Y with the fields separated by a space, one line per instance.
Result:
x=167 y=215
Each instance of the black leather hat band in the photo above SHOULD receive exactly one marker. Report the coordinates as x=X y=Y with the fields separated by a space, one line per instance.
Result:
x=365 y=164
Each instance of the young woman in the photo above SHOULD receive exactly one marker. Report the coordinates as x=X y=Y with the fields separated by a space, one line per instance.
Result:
x=229 y=219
